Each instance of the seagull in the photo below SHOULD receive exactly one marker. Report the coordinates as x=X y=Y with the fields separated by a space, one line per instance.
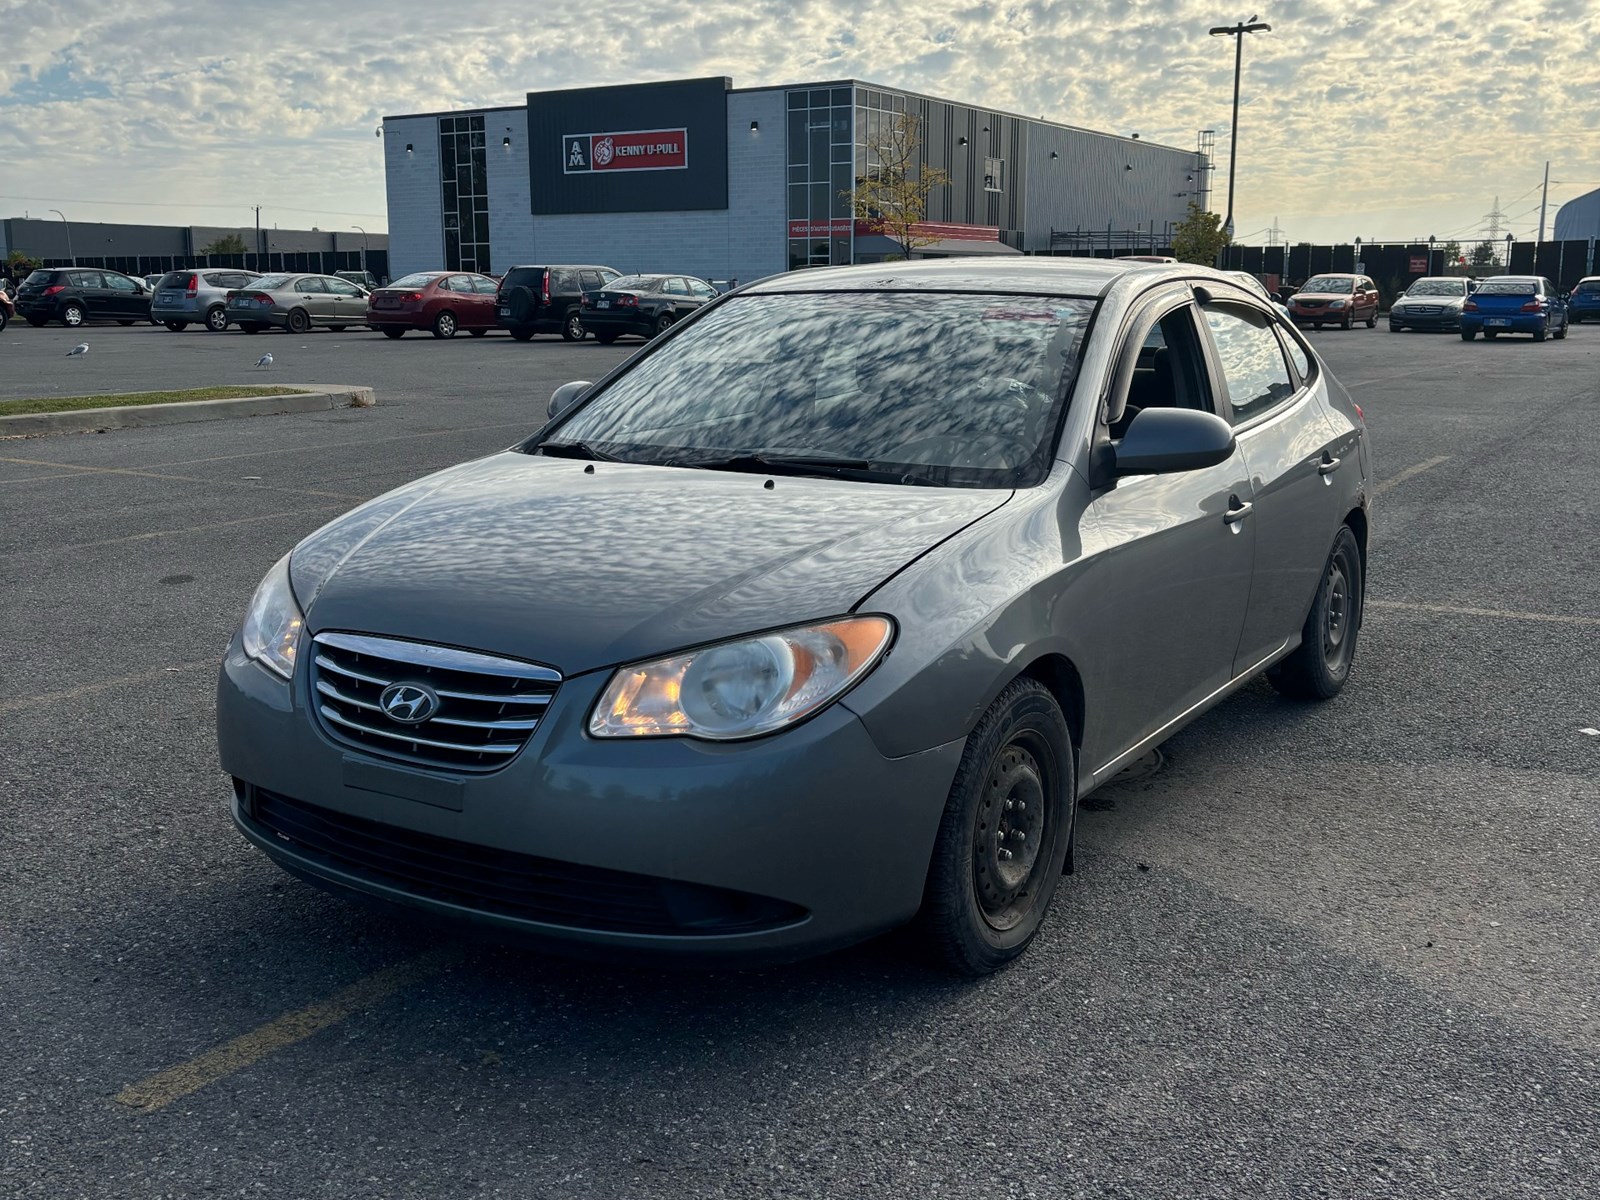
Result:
x=264 y=361
x=79 y=350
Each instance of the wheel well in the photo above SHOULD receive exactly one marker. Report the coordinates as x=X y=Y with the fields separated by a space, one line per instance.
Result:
x=1058 y=674
x=1357 y=520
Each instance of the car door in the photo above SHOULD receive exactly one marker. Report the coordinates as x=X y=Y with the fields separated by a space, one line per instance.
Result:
x=1172 y=554
x=463 y=299
x=1556 y=305
x=125 y=299
x=484 y=289
x=346 y=304
x=311 y=294
x=93 y=295
x=1290 y=447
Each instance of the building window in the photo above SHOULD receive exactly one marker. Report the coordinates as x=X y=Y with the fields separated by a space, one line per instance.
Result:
x=464 y=192
x=994 y=174
x=821 y=148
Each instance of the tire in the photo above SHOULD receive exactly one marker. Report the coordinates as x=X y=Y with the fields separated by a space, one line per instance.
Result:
x=477 y=332
x=1320 y=666
x=1349 y=322
x=979 y=911
x=298 y=322
x=176 y=326
x=663 y=323
x=393 y=331
x=1562 y=336
x=5 y=319
x=1489 y=335
x=1393 y=328
x=1468 y=334
x=523 y=334
x=444 y=325
x=337 y=328
x=1539 y=334
x=37 y=322
x=1316 y=325
x=72 y=315
x=605 y=339
x=216 y=319
x=250 y=326
x=125 y=321
x=572 y=329
x=1575 y=320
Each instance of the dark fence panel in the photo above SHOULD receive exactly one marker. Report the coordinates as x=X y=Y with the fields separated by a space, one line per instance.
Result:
x=324 y=262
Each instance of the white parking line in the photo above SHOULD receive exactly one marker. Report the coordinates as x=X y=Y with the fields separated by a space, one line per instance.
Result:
x=105 y=685
x=1504 y=614
x=263 y=487
x=1410 y=472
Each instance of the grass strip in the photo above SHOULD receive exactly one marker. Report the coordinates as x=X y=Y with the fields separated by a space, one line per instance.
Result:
x=49 y=404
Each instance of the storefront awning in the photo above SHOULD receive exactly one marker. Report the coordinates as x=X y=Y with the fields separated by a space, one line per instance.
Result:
x=877 y=244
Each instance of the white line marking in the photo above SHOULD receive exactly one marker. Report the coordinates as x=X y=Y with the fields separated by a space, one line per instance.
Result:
x=1410 y=472
x=1504 y=614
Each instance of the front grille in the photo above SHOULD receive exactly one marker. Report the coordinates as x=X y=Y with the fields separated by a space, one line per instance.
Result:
x=487 y=708
x=490 y=880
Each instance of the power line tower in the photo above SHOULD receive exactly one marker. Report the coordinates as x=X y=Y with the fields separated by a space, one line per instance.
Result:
x=1492 y=229
x=1275 y=234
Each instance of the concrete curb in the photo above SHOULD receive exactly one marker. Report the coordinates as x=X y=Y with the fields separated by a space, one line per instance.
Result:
x=317 y=397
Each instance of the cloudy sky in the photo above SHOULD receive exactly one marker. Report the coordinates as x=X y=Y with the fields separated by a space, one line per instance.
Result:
x=1387 y=119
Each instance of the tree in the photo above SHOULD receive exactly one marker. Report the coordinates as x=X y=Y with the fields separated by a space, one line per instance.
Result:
x=891 y=198
x=230 y=243
x=1483 y=255
x=1452 y=251
x=19 y=264
x=1199 y=237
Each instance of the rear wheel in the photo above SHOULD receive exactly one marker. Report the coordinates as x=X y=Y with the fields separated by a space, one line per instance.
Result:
x=522 y=334
x=216 y=319
x=1468 y=334
x=176 y=326
x=1562 y=336
x=393 y=331
x=299 y=322
x=664 y=322
x=72 y=315
x=1318 y=669
x=37 y=322
x=1539 y=333
x=1006 y=835
x=572 y=329
x=338 y=328
x=444 y=325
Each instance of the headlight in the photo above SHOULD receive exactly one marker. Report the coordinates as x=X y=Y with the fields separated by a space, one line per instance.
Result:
x=1335 y=303
x=272 y=626
x=745 y=688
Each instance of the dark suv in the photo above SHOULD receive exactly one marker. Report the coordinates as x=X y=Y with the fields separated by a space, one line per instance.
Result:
x=546 y=299
x=77 y=295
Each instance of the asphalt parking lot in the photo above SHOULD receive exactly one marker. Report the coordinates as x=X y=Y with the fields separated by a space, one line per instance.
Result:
x=1347 y=950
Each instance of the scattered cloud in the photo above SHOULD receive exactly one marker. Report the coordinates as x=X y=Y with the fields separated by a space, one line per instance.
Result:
x=1358 y=117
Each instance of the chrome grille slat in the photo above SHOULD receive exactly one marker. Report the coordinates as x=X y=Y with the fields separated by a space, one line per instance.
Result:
x=488 y=706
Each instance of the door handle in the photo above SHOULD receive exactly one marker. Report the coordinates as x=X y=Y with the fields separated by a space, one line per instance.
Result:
x=1329 y=464
x=1237 y=511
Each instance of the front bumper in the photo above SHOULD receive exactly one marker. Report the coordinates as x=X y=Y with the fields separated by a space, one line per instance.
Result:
x=1448 y=319
x=1320 y=316
x=828 y=840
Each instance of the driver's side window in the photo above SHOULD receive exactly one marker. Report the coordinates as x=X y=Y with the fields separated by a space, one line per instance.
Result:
x=1168 y=372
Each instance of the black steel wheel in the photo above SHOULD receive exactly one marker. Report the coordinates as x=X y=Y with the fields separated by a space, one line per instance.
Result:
x=299 y=322
x=1320 y=666
x=216 y=319
x=572 y=329
x=1006 y=836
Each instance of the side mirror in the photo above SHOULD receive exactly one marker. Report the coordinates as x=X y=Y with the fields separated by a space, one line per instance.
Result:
x=565 y=396
x=1161 y=441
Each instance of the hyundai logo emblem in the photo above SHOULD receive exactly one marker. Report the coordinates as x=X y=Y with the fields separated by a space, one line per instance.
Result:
x=408 y=703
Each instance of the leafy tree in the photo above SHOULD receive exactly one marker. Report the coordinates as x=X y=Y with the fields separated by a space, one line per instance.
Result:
x=230 y=243
x=1199 y=237
x=1483 y=255
x=20 y=264
x=892 y=197
x=1452 y=251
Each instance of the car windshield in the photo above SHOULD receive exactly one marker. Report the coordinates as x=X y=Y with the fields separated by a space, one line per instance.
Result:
x=1329 y=283
x=947 y=389
x=416 y=279
x=1507 y=287
x=1437 y=287
x=635 y=283
x=268 y=282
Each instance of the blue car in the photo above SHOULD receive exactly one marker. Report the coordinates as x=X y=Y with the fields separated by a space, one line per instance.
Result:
x=1515 y=304
x=1584 y=301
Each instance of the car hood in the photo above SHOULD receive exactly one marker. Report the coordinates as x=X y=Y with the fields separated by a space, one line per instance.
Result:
x=1321 y=296
x=542 y=559
x=1448 y=301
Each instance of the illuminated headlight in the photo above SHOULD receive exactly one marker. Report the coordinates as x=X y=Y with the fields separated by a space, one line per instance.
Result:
x=273 y=623
x=744 y=688
x=1335 y=303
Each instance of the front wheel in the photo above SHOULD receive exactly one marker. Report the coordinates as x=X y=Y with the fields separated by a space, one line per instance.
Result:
x=605 y=339
x=176 y=326
x=1393 y=328
x=1348 y=323
x=1562 y=336
x=1318 y=669
x=299 y=322
x=1372 y=321
x=217 y=320
x=1006 y=836
x=1539 y=333
x=572 y=329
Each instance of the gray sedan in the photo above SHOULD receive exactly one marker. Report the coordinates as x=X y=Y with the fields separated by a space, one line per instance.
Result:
x=296 y=303
x=816 y=617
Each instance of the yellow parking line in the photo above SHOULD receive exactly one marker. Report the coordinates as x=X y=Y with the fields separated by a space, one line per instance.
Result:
x=1506 y=614
x=1410 y=472
x=104 y=685
x=163 y=1088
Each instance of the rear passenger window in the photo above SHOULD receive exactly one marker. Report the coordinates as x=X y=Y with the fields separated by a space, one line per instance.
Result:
x=675 y=287
x=484 y=285
x=591 y=280
x=313 y=285
x=86 y=279
x=1298 y=356
x=1252 y=361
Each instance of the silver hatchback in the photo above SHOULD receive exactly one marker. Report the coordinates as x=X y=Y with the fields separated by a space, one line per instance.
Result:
x=196 y=297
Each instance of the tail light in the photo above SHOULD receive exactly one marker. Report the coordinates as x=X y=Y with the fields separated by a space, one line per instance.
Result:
x=192 y=287
x=584 y=301
x=54 y=288
x=1359 y=413
x=411 y=297
x=628 y=301
x=1533 y=306
x=1470 y=306
x=544 y=288
x=262 y=298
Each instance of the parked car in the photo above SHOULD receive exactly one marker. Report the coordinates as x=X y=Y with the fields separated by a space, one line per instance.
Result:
x=440 y=301
x=297 y=302
x=8 y=308
x=1584 y=300
x=362 y=279
x=1255 y=285
x=197 y=297
x=1335 y=300
x=78 y=295
x=1433 y=302
x=816 y=620
x=1150 y=258
x=646 y=305
x=546 y=299
x=1515 y=304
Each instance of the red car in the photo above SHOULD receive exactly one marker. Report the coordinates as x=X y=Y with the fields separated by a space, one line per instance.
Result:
x=439 y=301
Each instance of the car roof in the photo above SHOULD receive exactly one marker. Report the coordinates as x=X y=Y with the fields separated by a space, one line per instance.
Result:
x=1061 y=276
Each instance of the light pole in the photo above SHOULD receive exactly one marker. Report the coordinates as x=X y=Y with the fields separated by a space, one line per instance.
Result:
x=68 y=224
x=363 y=234
x=1236 y=32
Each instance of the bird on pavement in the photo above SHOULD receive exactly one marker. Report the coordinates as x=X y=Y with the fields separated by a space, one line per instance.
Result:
x=79 y=350
x=264 y=361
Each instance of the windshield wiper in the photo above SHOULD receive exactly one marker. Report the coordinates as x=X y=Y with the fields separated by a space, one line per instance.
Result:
x=558 y=449
x=787 y=464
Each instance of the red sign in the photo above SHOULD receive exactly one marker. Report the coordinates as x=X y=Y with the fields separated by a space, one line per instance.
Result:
x=632 y=150
x=1419 y=264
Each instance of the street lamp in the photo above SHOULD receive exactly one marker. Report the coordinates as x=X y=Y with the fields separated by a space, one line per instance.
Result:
x=1508 y=252
x=363 y=234
x=1236 y=32
x=65 y=222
